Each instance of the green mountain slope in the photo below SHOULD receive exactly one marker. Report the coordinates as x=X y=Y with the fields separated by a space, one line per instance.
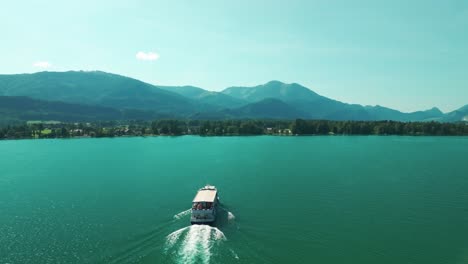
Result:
x=458 y=115
x=206 y=97
x=273 y=89
x=269 y=108
x=95 y=88
x=315 y=106
x=126 y=95
x=20 y=108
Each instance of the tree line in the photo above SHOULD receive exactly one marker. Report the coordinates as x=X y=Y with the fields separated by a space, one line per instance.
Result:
x=230 y=128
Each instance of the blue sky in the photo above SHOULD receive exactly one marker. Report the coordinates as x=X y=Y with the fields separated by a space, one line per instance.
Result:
x=408 y=55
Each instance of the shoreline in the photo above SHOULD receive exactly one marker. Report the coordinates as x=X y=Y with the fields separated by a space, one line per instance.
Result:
x=212 y=136
x=228 y=128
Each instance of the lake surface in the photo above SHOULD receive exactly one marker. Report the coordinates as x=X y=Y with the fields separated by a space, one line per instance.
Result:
x=285 y=200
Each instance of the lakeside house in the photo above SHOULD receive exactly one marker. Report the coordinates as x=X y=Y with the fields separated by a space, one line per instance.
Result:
x=285 y=131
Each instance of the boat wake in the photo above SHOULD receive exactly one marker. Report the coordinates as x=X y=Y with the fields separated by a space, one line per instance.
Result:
x=182 y=214
x=231 y=216
x=194 y=244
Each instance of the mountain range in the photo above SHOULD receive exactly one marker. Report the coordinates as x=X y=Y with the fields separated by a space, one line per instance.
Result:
x=96 y=95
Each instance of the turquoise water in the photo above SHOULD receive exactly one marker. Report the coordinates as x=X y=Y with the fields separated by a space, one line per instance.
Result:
x=285 y=200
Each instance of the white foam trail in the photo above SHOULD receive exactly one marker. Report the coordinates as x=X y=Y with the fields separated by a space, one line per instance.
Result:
x=205 y=244
x=231 y=216
x=217 y=234
x=172 y=238
x=196 y=243
x=182 y=214
x=188 y=247
x=234 y=254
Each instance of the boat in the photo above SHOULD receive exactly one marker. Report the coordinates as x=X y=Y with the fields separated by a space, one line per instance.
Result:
x=204 y=206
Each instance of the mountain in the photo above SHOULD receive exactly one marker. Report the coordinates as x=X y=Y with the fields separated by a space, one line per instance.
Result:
x=382 y=113
x=428 y=115
x=269 y=108
x=460 y=114
x=206 y=97
x=96 y=88
x=113 y=96
x=316 y=106
x=273 y=89
x=305 y=100
x=20 y=108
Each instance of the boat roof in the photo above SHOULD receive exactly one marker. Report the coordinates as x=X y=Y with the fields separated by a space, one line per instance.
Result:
x=205 y=195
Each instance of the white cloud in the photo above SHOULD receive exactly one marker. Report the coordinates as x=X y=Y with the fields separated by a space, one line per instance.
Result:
x=42 y=64
x=147 y=56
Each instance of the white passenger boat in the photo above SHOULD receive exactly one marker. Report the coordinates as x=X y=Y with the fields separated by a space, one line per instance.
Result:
x=205 y=205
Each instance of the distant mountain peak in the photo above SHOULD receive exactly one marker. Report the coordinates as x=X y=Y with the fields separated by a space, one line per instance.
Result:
x=273 y=89
x=268 y=108
x=435 y=110
x=274 y=82
x=463 y=108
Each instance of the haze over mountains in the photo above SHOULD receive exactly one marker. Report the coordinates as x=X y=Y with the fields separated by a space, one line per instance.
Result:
x=92 y=96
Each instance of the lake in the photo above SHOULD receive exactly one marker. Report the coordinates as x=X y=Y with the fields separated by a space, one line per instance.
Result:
x=331 y=199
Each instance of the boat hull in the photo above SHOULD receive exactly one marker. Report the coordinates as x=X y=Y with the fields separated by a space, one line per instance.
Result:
x=203 y=217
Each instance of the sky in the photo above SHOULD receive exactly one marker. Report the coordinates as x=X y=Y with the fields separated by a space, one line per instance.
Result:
x=407 y=55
